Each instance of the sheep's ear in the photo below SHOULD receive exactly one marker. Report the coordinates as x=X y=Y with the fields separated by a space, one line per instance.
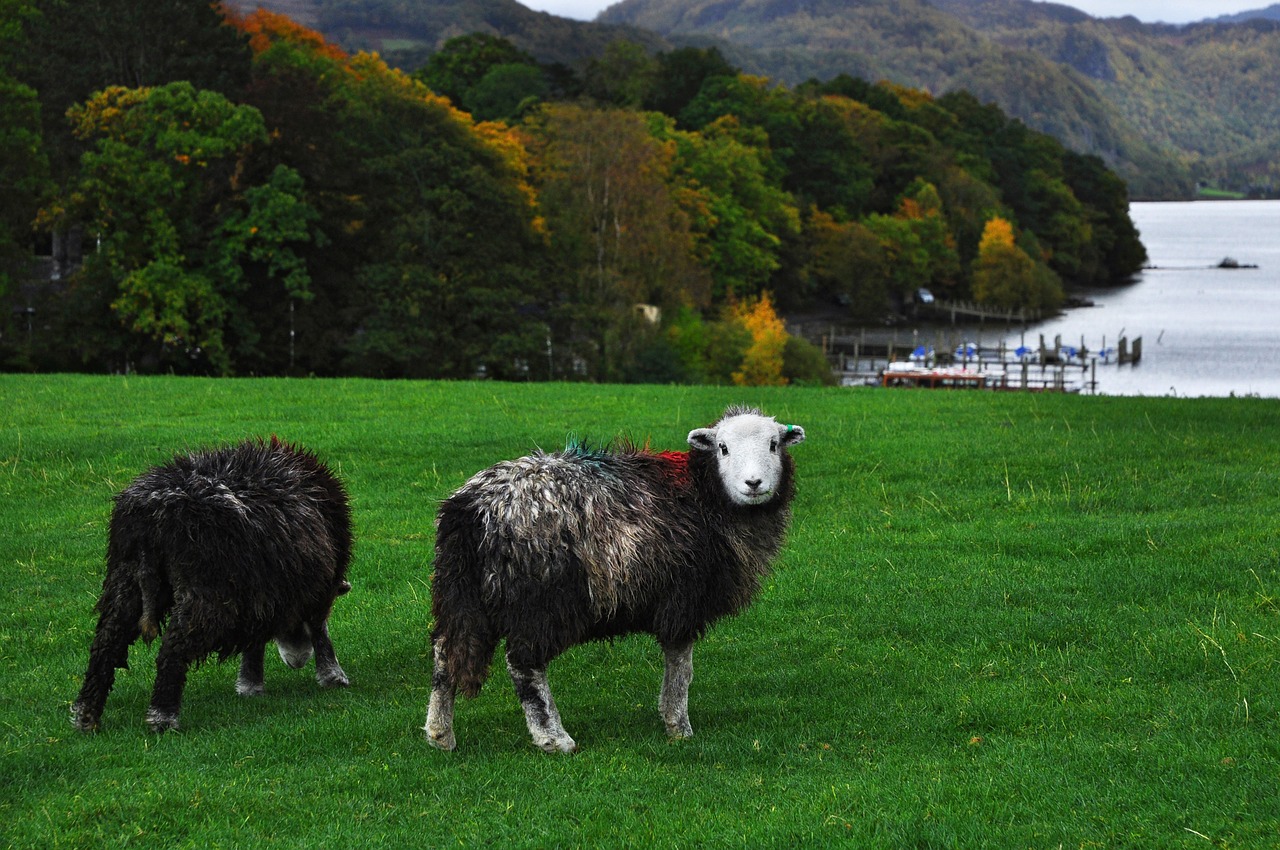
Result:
x=703 y=439
x=791 y=434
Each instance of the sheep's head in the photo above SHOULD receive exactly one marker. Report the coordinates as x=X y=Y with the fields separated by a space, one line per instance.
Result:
x=749 y=450
x=295 y=647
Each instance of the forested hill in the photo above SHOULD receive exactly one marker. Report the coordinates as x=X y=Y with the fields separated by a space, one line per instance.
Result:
x=405 y=34
x=1204 y=95
x=218 y=193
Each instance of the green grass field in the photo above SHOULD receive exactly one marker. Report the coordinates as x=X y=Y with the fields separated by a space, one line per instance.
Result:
x=1001 y=620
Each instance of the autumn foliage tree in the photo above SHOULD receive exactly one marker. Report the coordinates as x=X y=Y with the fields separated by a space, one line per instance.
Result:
x=434 y=247
x=763 y=361
x=1005 y=276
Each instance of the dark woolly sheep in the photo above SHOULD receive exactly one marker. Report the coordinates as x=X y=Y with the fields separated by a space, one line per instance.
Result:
x=552 y=550
x=233 y=547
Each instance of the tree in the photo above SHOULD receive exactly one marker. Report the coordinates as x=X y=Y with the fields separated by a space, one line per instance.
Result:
x=849 y=265
x=463 y=61
x=506 y=92
x=162 y=190
x=745 y=215
x=680 y=75
x=763 y=362
x=78 y=47
x=814 y=154
x=435 y=262
x=1116 y=252
x=1005 y=276
x=622 y=76
x=616 y=227
x=23 y=175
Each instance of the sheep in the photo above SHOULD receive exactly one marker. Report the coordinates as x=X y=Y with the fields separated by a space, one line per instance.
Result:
x=553 y=550
x=232 y=547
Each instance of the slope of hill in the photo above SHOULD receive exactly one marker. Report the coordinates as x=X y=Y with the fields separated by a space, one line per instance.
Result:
x=405 y=34
x=1164 y=106
x=922 y=44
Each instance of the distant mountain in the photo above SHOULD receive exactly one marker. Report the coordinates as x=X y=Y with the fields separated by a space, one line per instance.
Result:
x=926 y=45
x=1208 y=92
x=1271 y=13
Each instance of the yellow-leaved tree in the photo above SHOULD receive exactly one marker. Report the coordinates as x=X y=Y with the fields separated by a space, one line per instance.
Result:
x=1004 y=275
x=762 y=363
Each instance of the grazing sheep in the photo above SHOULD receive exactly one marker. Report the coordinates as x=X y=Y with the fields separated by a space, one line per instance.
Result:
x=233 y=548
x=552 y=550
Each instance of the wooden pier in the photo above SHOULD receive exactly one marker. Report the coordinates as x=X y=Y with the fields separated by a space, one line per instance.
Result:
x=865 y=357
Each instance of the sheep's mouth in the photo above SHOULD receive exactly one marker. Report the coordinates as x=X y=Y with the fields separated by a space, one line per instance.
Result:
x=754 y=497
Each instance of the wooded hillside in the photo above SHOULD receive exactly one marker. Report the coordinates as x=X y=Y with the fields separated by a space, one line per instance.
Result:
x=271 y=204
x=1164 y=105
x=1168 y=107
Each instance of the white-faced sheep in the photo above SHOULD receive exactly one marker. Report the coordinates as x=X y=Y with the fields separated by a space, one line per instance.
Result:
x=552 y=550
x=233 y=548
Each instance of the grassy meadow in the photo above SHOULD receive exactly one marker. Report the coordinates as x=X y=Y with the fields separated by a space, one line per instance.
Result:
x=1001 y=620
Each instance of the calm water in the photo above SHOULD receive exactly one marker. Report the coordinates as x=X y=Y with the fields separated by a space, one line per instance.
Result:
x=1205 y=331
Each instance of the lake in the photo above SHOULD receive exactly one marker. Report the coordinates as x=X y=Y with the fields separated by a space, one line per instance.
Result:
x=1205 y=331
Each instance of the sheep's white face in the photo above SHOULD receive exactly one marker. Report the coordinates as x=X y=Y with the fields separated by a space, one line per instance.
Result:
x=748 y=450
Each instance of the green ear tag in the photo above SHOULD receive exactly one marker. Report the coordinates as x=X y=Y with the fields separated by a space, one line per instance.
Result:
x=790 y=428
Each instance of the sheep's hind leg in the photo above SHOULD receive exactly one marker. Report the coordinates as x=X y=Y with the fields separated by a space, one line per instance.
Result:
x=673 y=702
x=540 y=711
x=328 y=672
x=439 y=726
x=117 y=630
x=249 y=683
x=183 y=645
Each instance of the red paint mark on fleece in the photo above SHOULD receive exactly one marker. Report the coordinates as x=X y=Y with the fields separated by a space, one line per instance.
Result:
x=677 y=465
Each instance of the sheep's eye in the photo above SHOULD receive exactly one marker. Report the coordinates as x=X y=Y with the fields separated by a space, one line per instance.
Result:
x=773 y=446
x=724 y=450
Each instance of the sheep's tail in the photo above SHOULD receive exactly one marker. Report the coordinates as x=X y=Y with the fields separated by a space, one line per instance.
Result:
x=464 y=636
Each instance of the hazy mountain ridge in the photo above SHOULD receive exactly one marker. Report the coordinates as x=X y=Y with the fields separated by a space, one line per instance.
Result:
x=1271 y=13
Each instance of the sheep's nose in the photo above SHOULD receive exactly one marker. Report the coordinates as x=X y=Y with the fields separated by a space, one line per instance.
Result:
x=752 y=483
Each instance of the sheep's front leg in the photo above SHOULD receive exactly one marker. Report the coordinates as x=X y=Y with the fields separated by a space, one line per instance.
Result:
x=540 y=711
x=439 y=726
x=673 y=702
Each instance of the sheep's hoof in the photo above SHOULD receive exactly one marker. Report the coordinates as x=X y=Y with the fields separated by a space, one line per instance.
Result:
x=82 y=720
x=678 y=732
x=557 y=745
x=245 y=688
x=161 y=721
x=441 y=739
x=149 y=629
x=333 y=679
